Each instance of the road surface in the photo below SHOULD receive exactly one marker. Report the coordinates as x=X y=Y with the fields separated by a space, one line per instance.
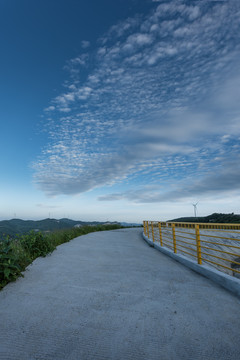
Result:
x=108 y=295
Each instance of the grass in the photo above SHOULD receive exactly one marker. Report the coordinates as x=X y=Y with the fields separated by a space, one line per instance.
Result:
x=16 y=254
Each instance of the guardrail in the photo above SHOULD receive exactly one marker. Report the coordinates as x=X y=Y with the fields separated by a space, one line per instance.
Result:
x=217 y=245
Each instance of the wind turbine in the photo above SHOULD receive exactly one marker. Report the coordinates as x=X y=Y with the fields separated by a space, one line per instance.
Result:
x=195 y=208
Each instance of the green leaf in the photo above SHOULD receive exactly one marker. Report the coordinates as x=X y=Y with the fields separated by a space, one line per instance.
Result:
x=7 y=272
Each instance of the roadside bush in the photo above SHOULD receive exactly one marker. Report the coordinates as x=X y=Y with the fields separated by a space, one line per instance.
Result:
x=36 y=244
x=16 y=254
x=10 y=268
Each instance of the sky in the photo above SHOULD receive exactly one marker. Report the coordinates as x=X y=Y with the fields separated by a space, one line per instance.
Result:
x=121 y=110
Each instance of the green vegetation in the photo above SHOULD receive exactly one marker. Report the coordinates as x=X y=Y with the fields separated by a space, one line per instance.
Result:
x=16 y=254
x=18 y=226
x=214 y=218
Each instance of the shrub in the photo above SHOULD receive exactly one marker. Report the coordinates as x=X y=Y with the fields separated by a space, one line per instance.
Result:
x=16 y=254
x=36 y=244
x=10 y=268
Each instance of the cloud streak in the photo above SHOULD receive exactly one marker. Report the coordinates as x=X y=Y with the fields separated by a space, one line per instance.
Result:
x=160 y=90
x=215 y=185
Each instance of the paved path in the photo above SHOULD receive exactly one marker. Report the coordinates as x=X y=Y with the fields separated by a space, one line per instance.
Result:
x=108 y=295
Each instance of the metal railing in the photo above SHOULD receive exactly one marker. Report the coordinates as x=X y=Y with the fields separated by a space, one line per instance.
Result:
x=217 y=245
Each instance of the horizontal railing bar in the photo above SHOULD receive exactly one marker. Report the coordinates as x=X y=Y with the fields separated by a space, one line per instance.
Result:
x=222 y=251
x=166 y=236
x=203 y=224
x=168 y=244
x=227 y=245
x=185 y=232
x=167 y=241
x=179 y=230
x=186 y=252
x=185 y=237
x=219 y=237
x=225 y=267
x=209 y=226
x=218 y=257
x=186 y=247
x=224 y=230
x=186 y=242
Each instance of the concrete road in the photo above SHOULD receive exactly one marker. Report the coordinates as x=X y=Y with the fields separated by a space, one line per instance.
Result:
x=108 y=295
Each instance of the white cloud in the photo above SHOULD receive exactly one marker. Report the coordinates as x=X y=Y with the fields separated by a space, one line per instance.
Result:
x=83 y=93
x=79 y=60
x=139 y=39
x=193 y=12
x=50 y=108
x=162 y=86
x=85 y=44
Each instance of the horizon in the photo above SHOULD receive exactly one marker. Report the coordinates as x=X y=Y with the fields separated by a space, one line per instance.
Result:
x=119 y=110
x=117 y=221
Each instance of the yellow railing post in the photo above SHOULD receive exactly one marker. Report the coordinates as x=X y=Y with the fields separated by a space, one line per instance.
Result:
x=152 y=232
x=174 y=238
x=160 y=233
x=198 y=243
x=147 y=229
x=144 y=228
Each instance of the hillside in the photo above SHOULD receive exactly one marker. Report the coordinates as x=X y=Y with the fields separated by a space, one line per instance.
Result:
x=213 y=218
x=18 y=226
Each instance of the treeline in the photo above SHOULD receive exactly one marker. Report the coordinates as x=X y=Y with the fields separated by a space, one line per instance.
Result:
x=213 y=218
x=17 y=253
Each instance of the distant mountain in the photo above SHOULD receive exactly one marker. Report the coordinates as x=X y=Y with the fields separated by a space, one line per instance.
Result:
x=18 y=226
x=130 y=224
x=213 y=218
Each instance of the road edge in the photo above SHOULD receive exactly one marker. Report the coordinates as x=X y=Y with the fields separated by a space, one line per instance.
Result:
x=228 y=282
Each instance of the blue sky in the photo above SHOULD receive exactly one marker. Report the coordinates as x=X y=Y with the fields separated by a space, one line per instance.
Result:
x=119 y=110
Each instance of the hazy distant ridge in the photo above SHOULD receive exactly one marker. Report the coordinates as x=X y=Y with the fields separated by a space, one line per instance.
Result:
x=18 y=226
x=213 y=218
